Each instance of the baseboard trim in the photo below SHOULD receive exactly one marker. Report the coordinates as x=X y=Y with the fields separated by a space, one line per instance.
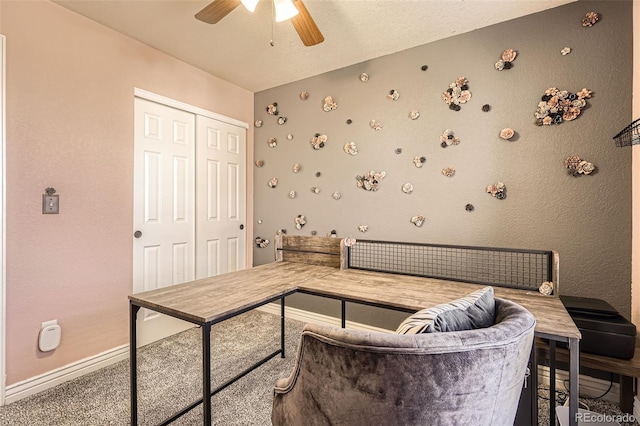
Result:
x=25 y=388
x=315 y=318
x=589 y=386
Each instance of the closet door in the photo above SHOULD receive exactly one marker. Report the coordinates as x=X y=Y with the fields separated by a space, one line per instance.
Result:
x=220 y=197
x=164 y=208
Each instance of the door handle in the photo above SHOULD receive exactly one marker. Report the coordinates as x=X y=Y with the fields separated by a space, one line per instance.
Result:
x=137 y=234
x=241 y=227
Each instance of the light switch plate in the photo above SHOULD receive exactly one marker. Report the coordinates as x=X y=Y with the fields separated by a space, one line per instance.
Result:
x=50 y=204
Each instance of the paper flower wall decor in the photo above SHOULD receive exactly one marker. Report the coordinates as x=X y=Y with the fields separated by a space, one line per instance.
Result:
x=448 y=171
x=576 y=166
x=419 y=161
x=458 y=93
x=349 y=241
x=506 y=61
x=272 y=109
x=447 y=138
x=407 y=188
x=507 y=133
x=300 y=221
x=557 y=106
x=418 y=220
x=350 y=148
x=590 y=19
x=370 y=181
x=261 y=242
x=498 y=190
x=394 y=95
x=329 y=104
x=546 y=288
x=318 y=140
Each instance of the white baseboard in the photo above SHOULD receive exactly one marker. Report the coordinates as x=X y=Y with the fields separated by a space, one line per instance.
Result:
x=589 y=386
x=60 y=375
x=314 y=318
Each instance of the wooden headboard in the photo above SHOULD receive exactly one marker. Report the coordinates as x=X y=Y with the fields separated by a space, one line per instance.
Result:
x=323 y=251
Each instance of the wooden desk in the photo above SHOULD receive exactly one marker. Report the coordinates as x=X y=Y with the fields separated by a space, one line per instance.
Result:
x=414 y=293
x=211 y=300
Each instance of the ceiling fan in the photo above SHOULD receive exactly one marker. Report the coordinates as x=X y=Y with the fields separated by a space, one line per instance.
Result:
x=302 y=21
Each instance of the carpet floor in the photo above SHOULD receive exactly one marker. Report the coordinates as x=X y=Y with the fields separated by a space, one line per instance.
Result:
x=169 y=378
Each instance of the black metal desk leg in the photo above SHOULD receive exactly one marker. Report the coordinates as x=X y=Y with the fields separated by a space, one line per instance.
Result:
x=574 y=370
x=133 y=363
x=533 y=382
x=206 y=374
x=344 y=314
x=282 y=304
x=552 y=382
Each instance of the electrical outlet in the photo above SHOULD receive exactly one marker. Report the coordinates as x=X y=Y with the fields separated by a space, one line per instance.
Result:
x=50 y=204
x=48 y=323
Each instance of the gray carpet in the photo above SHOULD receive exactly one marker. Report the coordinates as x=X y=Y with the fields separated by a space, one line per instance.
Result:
x=169 y=374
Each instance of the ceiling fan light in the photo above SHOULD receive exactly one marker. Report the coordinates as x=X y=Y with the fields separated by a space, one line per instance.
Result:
x=250 y=4
x=284 y=10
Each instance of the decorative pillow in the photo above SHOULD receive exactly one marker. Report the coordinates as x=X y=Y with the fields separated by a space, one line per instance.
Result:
x=476 y=310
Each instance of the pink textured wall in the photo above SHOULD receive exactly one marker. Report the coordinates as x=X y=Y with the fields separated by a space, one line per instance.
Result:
x=70 y=85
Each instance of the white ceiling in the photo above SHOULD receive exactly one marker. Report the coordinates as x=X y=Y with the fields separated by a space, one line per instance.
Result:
x=237 y=48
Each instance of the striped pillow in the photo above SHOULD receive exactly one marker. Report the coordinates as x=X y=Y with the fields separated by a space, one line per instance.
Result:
x=476 y=310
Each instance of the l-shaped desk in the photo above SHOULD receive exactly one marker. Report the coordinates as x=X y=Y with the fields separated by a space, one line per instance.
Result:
x=211 y=300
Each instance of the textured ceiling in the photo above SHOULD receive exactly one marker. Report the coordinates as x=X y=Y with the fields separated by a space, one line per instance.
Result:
x=237 y=49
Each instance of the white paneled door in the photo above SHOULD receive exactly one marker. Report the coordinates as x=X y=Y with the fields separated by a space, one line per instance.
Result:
x=164 y=208
x=220 y=200
x=189 y=203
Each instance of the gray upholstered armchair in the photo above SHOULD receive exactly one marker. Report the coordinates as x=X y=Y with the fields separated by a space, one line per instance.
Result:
x=347 y=377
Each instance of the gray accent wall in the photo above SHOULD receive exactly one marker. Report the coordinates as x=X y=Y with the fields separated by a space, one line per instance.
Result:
x=586 y=219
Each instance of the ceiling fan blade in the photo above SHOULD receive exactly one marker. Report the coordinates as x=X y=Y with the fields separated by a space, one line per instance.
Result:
x=305 y=25
x=216 y=10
